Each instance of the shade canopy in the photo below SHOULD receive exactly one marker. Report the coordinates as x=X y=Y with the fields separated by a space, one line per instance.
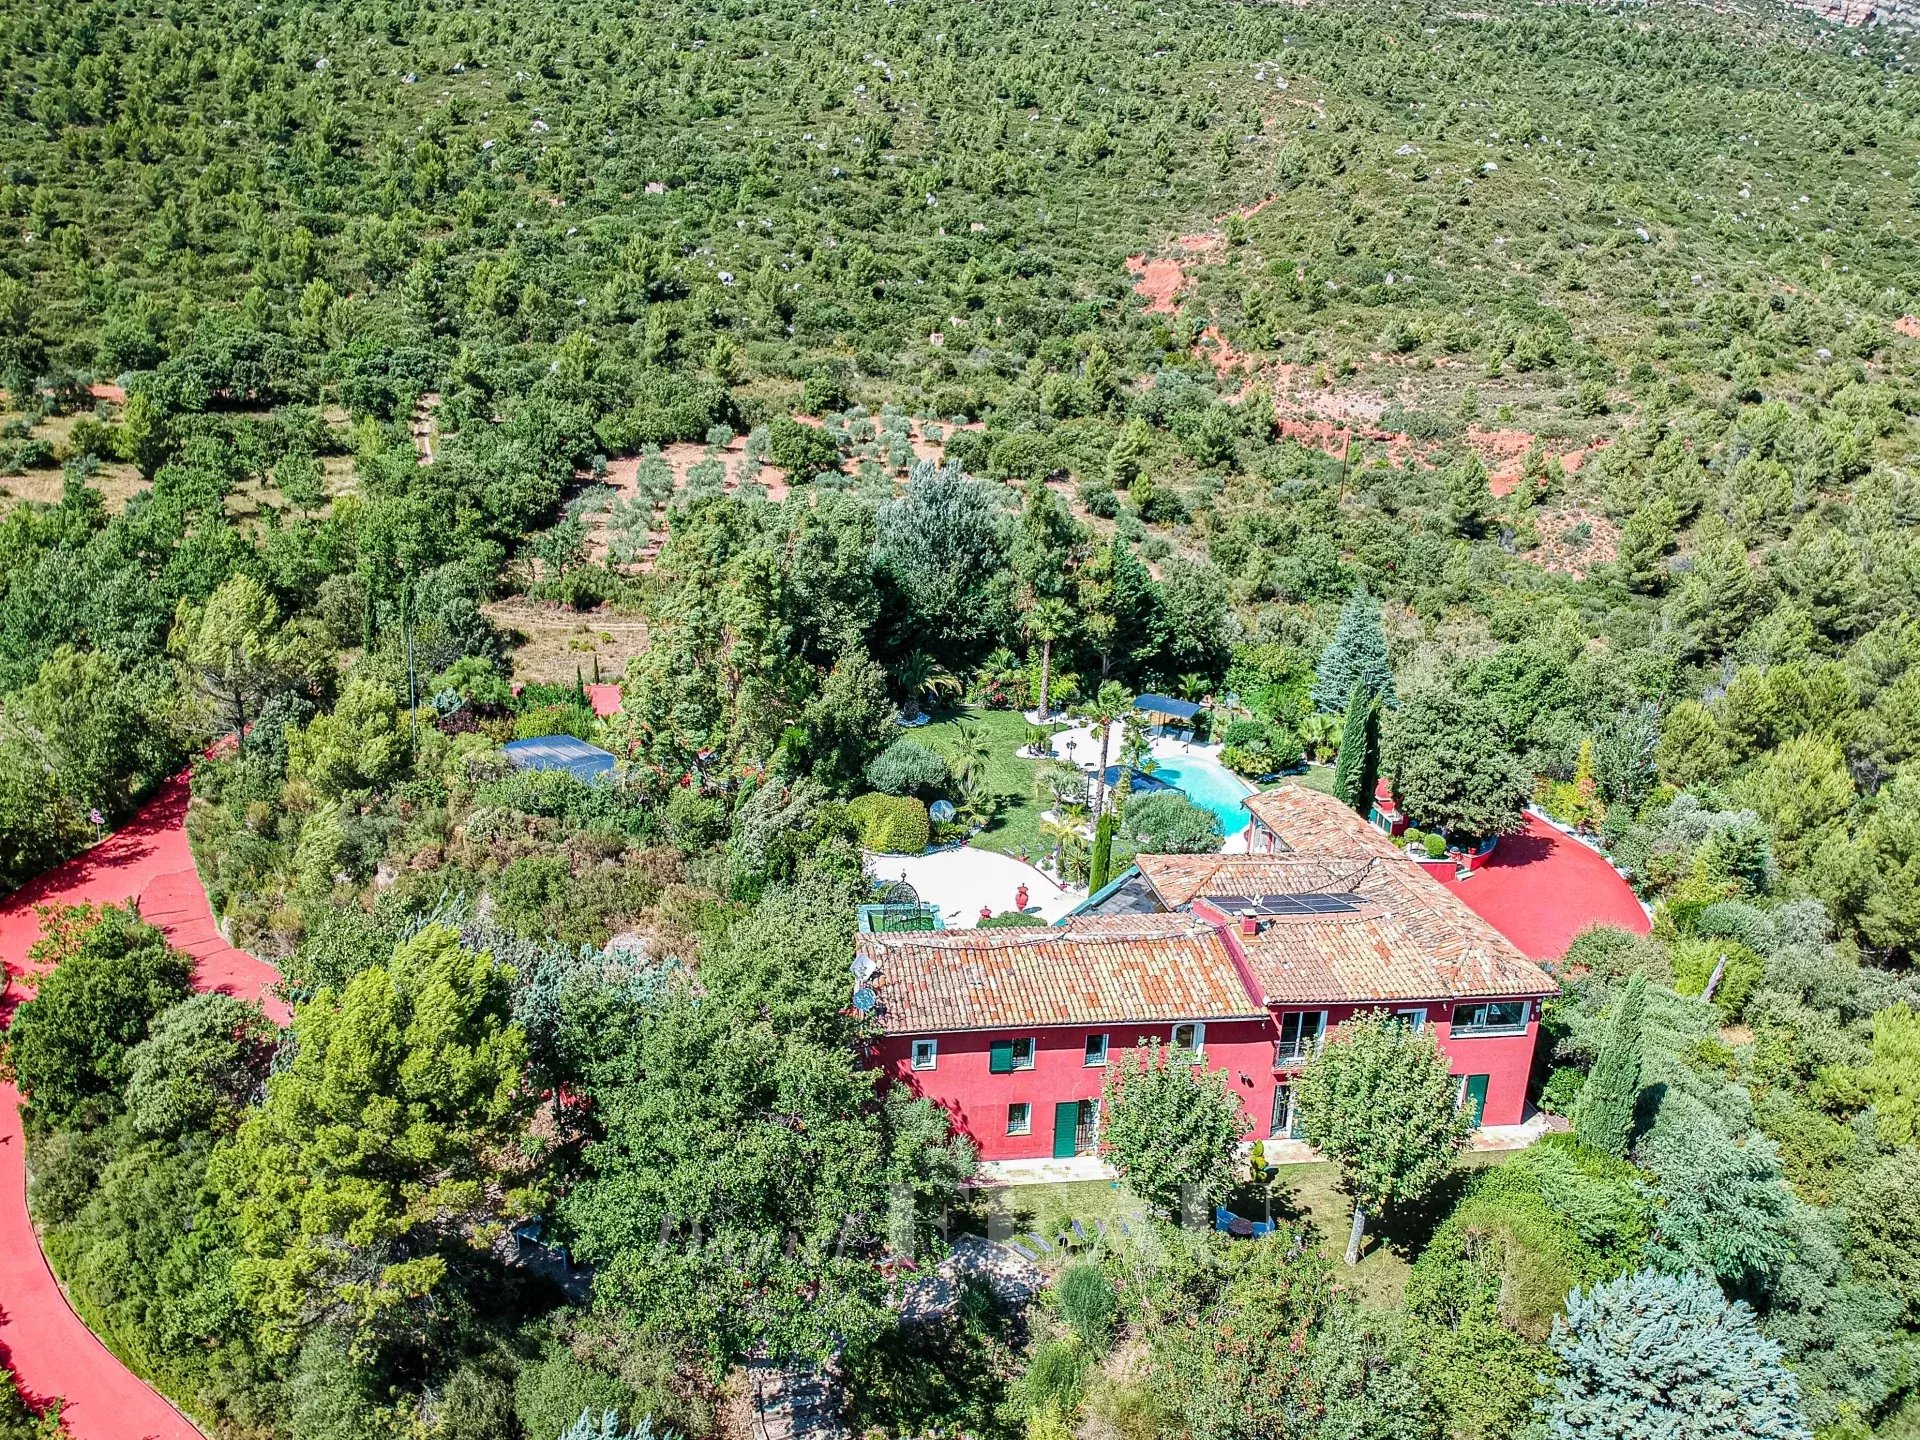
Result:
x=559 y=752
x=1167 y=705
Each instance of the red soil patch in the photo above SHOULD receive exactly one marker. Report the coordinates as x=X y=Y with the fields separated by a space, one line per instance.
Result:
x=1222 y=354
x=51 y=1354
x=1575 y=557
x=1908 y=325
x=1542 y=888
x=1159 y=281
x=1505 y=452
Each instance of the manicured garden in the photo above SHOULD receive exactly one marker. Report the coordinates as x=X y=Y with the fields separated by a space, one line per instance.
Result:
x=1006 y=777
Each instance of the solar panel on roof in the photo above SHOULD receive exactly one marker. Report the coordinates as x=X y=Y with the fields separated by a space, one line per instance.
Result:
x=1307 y=903
x=1230 y=902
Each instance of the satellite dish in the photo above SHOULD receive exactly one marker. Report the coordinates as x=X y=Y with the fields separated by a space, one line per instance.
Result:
x=942 y=812
x=865 y=1000
x=863 y=968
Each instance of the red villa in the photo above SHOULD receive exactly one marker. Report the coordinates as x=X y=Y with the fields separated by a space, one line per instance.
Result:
x=1247 y=960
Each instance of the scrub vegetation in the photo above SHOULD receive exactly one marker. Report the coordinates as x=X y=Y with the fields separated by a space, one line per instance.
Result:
x=1521 y=400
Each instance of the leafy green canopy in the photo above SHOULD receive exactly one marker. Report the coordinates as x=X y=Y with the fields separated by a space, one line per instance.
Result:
x=113 y=974
x=744 y=1176
x=1171 y=1125
x=1604 y=1117
x=1378 y=1101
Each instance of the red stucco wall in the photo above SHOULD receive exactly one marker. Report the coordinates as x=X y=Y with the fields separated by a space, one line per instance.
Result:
x=976 y=1100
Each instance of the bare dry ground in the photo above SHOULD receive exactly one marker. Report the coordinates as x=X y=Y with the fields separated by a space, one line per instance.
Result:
x=558 y=646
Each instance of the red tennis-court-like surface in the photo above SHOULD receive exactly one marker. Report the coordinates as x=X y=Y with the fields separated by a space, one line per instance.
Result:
x=1542 y=888
x=52 y=1355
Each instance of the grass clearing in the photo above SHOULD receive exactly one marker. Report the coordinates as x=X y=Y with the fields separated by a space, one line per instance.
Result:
x=554 y=645
x=1015 y=827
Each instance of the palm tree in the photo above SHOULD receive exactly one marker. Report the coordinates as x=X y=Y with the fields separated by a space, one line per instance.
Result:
x=1069 y=847
x=921 y=677
x=1046 y=622
x=968 y=761
x=1109 y=704
x=1318 y=732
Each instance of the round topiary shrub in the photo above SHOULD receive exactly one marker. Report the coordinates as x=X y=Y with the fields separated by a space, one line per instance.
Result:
x=890 y=824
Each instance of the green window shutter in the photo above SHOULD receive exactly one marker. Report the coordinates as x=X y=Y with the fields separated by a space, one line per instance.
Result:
x=1000 y=1058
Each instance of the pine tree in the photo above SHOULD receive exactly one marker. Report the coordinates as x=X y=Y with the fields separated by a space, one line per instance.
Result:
x=1603 y=1115
x=1357 y=769
x=1667 y=1355
x=1357 y=655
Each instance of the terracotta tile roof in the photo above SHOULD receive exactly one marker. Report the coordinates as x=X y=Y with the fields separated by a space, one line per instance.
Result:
x=1306 y=821
x=1407 y=938
x=1093 y=970
x=1180 y=879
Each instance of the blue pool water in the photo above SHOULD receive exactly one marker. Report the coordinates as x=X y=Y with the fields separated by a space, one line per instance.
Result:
x=1211 y=786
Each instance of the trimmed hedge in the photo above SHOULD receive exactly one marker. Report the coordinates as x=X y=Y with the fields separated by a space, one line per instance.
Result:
x=1012 y=920
x=891 y=824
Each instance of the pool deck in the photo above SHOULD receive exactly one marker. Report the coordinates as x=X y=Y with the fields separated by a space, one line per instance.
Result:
x=1081 y=747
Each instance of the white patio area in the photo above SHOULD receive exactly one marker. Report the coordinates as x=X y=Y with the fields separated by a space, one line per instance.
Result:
x=963 y=880
x=1081 y=746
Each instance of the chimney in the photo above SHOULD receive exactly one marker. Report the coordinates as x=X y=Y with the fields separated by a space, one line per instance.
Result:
x=1249 y=924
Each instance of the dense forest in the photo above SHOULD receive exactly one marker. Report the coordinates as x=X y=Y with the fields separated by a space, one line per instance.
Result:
x=1524 y=398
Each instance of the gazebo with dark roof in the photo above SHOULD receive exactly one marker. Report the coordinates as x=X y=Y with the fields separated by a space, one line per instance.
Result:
x=1176 y=714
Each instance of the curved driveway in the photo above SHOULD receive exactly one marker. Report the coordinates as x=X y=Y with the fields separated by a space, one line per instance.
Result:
x=52 y=1355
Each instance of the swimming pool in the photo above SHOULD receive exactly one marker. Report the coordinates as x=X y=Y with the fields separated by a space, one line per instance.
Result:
x=1210 y=785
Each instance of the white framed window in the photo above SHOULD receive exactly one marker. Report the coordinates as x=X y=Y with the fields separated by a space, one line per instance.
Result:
x=1020 y=1118
x=925 y=1053
x=1023 y=1049
x=1190 y=1036
x=1491 y=1017
x=1414 y=1019
x=1300 y=1035
x=1096 y=1051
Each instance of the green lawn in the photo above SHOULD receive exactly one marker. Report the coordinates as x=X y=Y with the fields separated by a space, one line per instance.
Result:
x=1016 y=823
x=1301 y=1194
x=1314 y=777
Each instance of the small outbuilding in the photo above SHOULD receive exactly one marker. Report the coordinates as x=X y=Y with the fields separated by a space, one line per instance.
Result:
x=559 y=752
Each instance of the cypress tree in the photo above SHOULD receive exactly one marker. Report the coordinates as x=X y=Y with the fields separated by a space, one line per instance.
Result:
x=1357 y=768
x=1102 y=860
x=1355 y=657
x=1603 y=1115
